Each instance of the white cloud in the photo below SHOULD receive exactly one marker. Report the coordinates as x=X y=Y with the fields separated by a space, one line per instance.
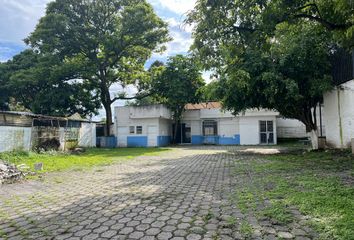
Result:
x=177 y=6
x=19 y=17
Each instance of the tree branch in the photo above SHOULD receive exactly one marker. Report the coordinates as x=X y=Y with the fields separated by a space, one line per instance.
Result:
x=138 y=97
x=327 y=24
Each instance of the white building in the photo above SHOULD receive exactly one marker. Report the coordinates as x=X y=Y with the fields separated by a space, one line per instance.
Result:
x=339 y=115
x=205 y=123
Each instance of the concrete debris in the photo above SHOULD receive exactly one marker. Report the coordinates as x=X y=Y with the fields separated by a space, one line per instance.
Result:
x=9 y=173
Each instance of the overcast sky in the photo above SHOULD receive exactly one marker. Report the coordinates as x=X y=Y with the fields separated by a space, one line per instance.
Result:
x=19 y=18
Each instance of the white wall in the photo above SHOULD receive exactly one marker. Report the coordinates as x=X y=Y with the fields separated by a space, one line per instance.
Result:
x=214 y=113
x=191 y=115
x=150 y=111
x=249 y=129
x=339 y=115
x=165 y=126
x=290 y=128
x=196 y=127
x=87 y=135
x=15 y=138
x=228 y=127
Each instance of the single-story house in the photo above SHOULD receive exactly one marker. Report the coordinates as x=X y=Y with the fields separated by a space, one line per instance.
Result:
x=26 y=131
x=204 y=123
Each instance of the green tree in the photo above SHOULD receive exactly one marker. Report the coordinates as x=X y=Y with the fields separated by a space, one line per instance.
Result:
x=219 y=22
x=109 y=39
x=272 y=54
x=211 y=92
x=178 y=84
x=44 y=85
x=4 y=93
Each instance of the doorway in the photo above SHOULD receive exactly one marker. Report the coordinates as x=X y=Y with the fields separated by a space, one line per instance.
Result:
x=266 y=134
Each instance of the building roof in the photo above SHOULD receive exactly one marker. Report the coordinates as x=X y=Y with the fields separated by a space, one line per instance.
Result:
x=74 y=117
x=205 y=105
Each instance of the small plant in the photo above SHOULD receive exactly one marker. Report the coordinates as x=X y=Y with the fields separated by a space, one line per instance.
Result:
x=231 y=221
x=246 y=229
x=208 y=216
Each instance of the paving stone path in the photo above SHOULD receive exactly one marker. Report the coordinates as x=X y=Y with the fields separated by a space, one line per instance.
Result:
x=182 y=194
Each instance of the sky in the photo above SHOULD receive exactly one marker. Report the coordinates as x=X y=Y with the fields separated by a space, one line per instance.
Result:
x=19 y=18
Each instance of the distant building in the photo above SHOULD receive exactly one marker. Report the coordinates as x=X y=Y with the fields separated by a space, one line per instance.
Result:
x=205 y=123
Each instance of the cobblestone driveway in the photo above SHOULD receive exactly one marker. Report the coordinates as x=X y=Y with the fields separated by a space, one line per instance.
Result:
x=183 y=194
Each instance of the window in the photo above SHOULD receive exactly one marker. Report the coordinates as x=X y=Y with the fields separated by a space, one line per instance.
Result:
x=210 y=128
x=131 y=129
x=139 y=129
x=266 y=129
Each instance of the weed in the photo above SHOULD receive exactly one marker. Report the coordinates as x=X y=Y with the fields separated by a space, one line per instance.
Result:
x=208 y=216
x=246 y=229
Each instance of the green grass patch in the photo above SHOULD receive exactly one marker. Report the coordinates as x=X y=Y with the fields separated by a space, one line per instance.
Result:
x=278 y=212
x=245 y=200
x=246 y=229
x=60 y=161
x=319 y=184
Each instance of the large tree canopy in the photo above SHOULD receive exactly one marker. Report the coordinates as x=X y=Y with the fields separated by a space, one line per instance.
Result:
x=44 y=85
x=225 y=22
x=177 y=84
x=271 y=54
x=110 y=39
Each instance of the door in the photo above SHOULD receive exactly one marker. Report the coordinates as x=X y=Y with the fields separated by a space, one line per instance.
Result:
x=266 y=129
x=122 y=133
x=152 y=136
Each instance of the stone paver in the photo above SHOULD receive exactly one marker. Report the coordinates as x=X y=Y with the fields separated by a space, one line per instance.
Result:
x=183 y=194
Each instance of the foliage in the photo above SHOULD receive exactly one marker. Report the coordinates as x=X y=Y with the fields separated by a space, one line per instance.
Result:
x=178 y=84
x=226 y=22
x=57 y=161
x=211 y=92
x=291 y=77
x=43 y=84
x=271 y=54
x=4 y=94
x=110 y=40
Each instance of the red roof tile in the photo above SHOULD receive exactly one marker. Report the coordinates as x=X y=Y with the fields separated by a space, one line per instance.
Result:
x=205 y=105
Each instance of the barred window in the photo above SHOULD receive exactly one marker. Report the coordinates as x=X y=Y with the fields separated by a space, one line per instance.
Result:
x=139 y=129
x=210 y=128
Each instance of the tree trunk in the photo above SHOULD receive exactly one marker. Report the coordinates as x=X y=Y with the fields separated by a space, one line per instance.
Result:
x=174 y=137
x=310 y=121
x=314 y=139
x=108 y=109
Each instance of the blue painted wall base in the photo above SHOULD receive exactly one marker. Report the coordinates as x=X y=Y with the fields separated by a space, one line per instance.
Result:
x=106 y=142
x=137 y=141
x=217 y=140
x=163 y=141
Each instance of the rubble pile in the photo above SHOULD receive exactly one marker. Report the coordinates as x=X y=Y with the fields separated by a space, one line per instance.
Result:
x=9 y=173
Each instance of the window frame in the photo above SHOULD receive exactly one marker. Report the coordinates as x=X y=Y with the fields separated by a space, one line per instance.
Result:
x=139 y=130
x=210 y=124
x=131 y=129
